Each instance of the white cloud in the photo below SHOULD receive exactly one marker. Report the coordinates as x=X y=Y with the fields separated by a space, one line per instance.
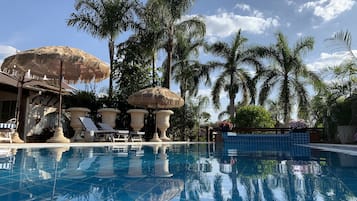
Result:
x=329 y=60
x=328 y=9
x=299 y=34
x=6 y=51
x=226 y=24
x=290 y=2
x=244 y=7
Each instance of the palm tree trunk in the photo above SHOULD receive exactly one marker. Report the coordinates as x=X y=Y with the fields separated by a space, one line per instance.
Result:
x=231 y=99
x=231 y=106
x=286 y=99
x=153 y=70
x=169 y=57
x=111 y=60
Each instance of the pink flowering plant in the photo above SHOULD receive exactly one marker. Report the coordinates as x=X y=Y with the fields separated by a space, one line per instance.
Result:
x=225 y=125
x=297 y=124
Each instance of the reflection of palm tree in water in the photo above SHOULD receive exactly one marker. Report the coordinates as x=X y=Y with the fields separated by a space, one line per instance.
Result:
x=233 y=176
x=217 y=185
x=196 y=182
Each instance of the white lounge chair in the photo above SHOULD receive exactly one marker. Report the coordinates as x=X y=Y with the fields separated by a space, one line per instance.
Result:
x=90 y=127
x=7 y=159
x=118 y=135
x=6 y=131
x=136 y=136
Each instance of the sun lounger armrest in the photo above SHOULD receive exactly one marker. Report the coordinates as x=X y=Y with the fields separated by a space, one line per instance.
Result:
x=137 y=132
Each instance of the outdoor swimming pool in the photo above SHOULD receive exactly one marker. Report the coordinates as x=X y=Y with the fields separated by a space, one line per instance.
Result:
x=176 y=172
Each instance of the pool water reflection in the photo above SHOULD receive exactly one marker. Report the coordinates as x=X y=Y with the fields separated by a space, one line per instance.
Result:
x=176 y=172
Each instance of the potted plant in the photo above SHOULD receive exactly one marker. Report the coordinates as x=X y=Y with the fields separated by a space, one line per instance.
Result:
x=298 y=126
x=225 y=126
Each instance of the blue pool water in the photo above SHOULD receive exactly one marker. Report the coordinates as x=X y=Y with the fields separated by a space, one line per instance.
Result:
x=177 y=172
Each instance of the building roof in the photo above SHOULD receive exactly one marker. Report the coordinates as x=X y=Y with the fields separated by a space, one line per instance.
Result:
x=35 y=85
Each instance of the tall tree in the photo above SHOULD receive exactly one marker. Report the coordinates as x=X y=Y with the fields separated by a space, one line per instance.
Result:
x=104 y=19
x=235 y=76
x=170 y=17
x=186 y=69
x=197 y=105
x=347 y=71
x=344 y=38
x=289 y=75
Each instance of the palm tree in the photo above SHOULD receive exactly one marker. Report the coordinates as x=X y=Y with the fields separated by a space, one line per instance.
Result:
x=289 y=75
x=235 y=77
x=104 y=19
x=197 y=106
x=345 y=39
x=275 y=111
x=170 y=14
x=348 y=68
x=186 y=69
x=149 y=34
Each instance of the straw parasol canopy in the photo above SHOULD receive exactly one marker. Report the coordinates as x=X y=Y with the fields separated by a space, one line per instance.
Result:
x=77 y=65
x=60 y=63
x=156 y=98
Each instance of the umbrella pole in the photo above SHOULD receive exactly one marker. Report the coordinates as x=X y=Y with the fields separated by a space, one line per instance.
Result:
x=59 y=123
x=59 y=136
x=155 y=137
x=15 y=137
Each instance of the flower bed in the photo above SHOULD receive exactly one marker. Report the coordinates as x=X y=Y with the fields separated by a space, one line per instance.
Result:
x=225 y=126
x=298 y=126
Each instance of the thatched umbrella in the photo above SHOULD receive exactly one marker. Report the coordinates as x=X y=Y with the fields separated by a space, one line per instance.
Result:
x=156 y=98
x=57 y=62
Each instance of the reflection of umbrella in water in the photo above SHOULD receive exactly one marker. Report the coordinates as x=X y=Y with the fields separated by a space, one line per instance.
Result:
x=156 y=98
x=57 y=154
x=58 y=62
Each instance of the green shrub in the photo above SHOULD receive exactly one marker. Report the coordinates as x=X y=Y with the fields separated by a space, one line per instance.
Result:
x=341 y=112
x=81 y=99
x=252 y=116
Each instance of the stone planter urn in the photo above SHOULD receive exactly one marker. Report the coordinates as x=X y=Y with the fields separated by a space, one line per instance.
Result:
x=77 y=112
x=345 y=133
x=105 y=169
x=163 y=123
x=135 y=169
x=72 y=171
x=162 y=164
x=137 y=118
x=109 y=115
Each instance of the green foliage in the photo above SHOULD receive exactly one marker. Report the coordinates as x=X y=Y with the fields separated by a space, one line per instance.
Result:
x=318 y=110
x=205 y=117
x=82 y=99
x=341 y=112
x=234 y=77
x=105 y=20
x=253 y=116
x=288 y=75
x=257 y=168
x=132 y=79
x=182 y=123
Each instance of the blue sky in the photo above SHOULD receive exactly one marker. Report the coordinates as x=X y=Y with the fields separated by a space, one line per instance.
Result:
x=34 y=23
